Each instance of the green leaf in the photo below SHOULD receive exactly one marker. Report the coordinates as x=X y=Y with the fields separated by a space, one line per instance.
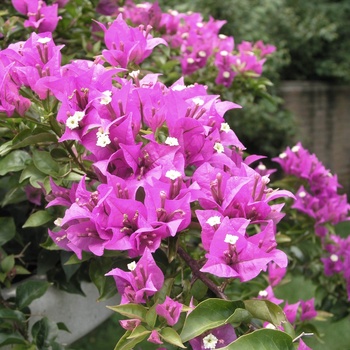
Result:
x=265 y=310
x=45 y=163
x=11 y=338
x=7 y=264
x=151 y=316
x=29 y=291
x=342 y=229
x=7 y=229
x=44 y=332
x=172 y=337
x=14 y=161
x=49 y=244
x=131 y=311
x=5 y=148
x=35 y=139
x=128 y=344
x=164 y=291
x=13 y=315
x=139 y=331
x=262 y=339
x=20 y=270
x=62 y=327
x=74 y=259
x=33 y=174
x=208 y=314
x=24 y=347
x=39 y=218
x=199 y=289
x=105 y=284
x=239 y=316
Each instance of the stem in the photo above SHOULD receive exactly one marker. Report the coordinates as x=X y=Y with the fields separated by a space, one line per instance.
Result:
x=194 y=266
x=90 y=174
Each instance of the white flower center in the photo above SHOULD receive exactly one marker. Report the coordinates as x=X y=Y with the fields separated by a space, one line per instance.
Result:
x=222 y=36
x=44 y=40
x=178 y=87
x=231 y=239
x=225 y=127
x=223 y=53
x=226 y=74
x=172 y=174
x=106 y=97
x=190 y=60
x=295 y=149
x=210 y=341
x=263 y=294
x=202 y=54
x=214 y=220
x=198 y=101
x=302 y=194
x=72 y=122
x=134 y=74
x=219 y=147
x=132 y=266
x=102 y=139
x=172 y=141
x=261 y=167
x=58 y=222
x=283 y=155
x=334 y=257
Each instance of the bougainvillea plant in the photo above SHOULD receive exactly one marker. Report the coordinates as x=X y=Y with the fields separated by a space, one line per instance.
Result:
x=144 y=181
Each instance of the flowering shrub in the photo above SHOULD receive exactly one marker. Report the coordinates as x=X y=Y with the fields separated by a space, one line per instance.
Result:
x=146 y=184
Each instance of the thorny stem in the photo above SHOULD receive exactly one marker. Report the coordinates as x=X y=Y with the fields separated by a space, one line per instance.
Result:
x=193 y=264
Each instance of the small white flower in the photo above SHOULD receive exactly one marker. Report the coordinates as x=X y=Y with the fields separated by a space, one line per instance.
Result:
x=184 y=35
x=222 y=36
x=190 y=60
x=44 y=40
x=178 y=87
x=172 y=174
x=226 y=74
x=270 y=326
x=202 y=53
x=79 y=115
x=58 y=222
x=172 y=141
x=106 y=97
x=334 y=257
x=283 y=155
x=295 y=149
x=210 y=341
x=223 y=53
x=198 y=101
x=232 y=239
x=265 y=179
x=225 y=127
x=132 y=266
x=102 y=139
x=219 y=147
x=302 y=194
x=134 y=74
x=200 y=24
x=214 y=220
x=263 y=294
x=72 y=121
x=261 y=167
